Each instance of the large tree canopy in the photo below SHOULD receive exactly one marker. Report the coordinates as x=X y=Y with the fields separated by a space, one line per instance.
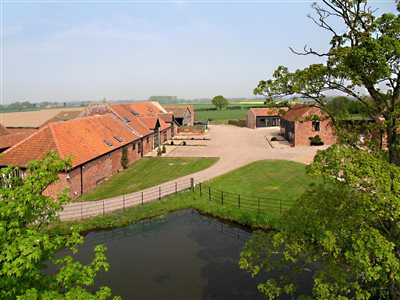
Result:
x=219 y=101
x=346 y=230
x=25 y=245
x=362 y=62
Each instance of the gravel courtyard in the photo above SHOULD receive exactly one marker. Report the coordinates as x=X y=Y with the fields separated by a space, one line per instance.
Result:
x=237 y=146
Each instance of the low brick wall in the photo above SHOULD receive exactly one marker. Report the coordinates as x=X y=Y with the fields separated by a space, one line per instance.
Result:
x=240 y=123
x=197 y=129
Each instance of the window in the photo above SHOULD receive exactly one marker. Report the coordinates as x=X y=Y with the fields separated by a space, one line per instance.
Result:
x=139 y=147
x=133 y=146
x=135 y=113
x=127 y=119
x=147 y=140
x=118 y=139
x=315 y=125
x=165 y=136
x=108 y=143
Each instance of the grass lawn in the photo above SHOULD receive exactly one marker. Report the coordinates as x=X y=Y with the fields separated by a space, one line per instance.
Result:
x=268 y=179
x=276 y=178
x=146 y=173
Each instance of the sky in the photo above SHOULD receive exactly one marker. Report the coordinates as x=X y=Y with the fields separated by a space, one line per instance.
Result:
x=120 y=50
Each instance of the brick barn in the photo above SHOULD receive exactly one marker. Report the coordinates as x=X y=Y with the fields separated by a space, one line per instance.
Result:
x=301 y=122
x=264 y=117
x=183 y=114
x=94 y=143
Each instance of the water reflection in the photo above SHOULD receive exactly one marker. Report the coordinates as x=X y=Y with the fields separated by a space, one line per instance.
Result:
x=182 y=256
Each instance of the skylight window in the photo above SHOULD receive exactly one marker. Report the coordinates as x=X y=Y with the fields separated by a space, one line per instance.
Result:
x=127 y=119
x=118 y=139
x=135 y=113
x=108 y=143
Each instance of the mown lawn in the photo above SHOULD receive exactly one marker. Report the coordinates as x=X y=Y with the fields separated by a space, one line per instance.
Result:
x=146 y=173
x=276 y=178
x=272 y=179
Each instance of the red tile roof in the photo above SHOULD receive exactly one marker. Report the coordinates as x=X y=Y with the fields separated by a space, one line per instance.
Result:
x=9 y=140
x=178 y=111
x=167 y=117
x=300 y=112
x=262 y=112
x=83 y=139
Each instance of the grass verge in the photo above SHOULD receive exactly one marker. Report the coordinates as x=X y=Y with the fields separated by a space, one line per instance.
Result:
x=183 y=200
x=146 y=173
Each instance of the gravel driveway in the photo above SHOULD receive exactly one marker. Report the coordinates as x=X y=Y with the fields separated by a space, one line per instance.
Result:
x=237 y=146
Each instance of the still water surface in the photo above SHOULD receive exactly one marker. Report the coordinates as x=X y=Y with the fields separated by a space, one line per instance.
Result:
x=183 y=255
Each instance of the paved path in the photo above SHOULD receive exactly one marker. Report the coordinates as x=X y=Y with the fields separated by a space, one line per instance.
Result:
x=235 y=146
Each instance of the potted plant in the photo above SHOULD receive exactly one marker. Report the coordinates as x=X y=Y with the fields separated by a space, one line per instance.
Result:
x=159 y=151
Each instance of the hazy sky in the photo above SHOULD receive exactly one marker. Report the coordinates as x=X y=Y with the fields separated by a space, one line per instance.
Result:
x=87 y=50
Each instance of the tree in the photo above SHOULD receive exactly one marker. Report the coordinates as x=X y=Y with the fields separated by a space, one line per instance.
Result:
x=349 y=226
x=219 y=101
x=365 y=56
x=25 y=214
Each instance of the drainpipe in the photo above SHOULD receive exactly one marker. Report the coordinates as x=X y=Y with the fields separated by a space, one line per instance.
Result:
x=81 y=180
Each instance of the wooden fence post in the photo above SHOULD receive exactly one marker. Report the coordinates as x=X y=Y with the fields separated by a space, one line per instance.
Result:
x=209 y=193
x=239 y=201
x=142 y=198
x=192 y=184
x=103 y=209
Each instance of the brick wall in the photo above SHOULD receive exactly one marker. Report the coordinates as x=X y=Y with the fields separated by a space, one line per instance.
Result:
x=251 y=119
x=148 y=143
x=162 y=135
x=196 y=129
x=304 y=130
x=93 y=172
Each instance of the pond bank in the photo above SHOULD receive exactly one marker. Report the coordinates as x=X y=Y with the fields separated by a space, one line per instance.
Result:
x=182 y=200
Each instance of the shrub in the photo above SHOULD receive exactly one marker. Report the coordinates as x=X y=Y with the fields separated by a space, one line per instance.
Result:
x=274 y=138
x=124 y=158
x=159 y=151
x=164 y=150
x=316 y=141
x=172 y=143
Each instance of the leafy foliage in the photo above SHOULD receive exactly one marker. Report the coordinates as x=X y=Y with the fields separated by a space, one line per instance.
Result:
x=219 y=101
x=366 y=56
x=348 y=228
x=25 y=246
x=316 y=141
x=124 y=157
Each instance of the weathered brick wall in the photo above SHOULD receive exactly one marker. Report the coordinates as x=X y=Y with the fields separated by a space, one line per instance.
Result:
x=303 y=130
x=163 y=137
x=250 y=119
x=93 y=172
x=196 y=129
x=148 y=143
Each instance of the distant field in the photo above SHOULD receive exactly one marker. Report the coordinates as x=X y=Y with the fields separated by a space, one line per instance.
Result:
x=221 y=115
x=224 y=114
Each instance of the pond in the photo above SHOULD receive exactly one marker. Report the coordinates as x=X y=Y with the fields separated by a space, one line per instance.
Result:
x=183 y=255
